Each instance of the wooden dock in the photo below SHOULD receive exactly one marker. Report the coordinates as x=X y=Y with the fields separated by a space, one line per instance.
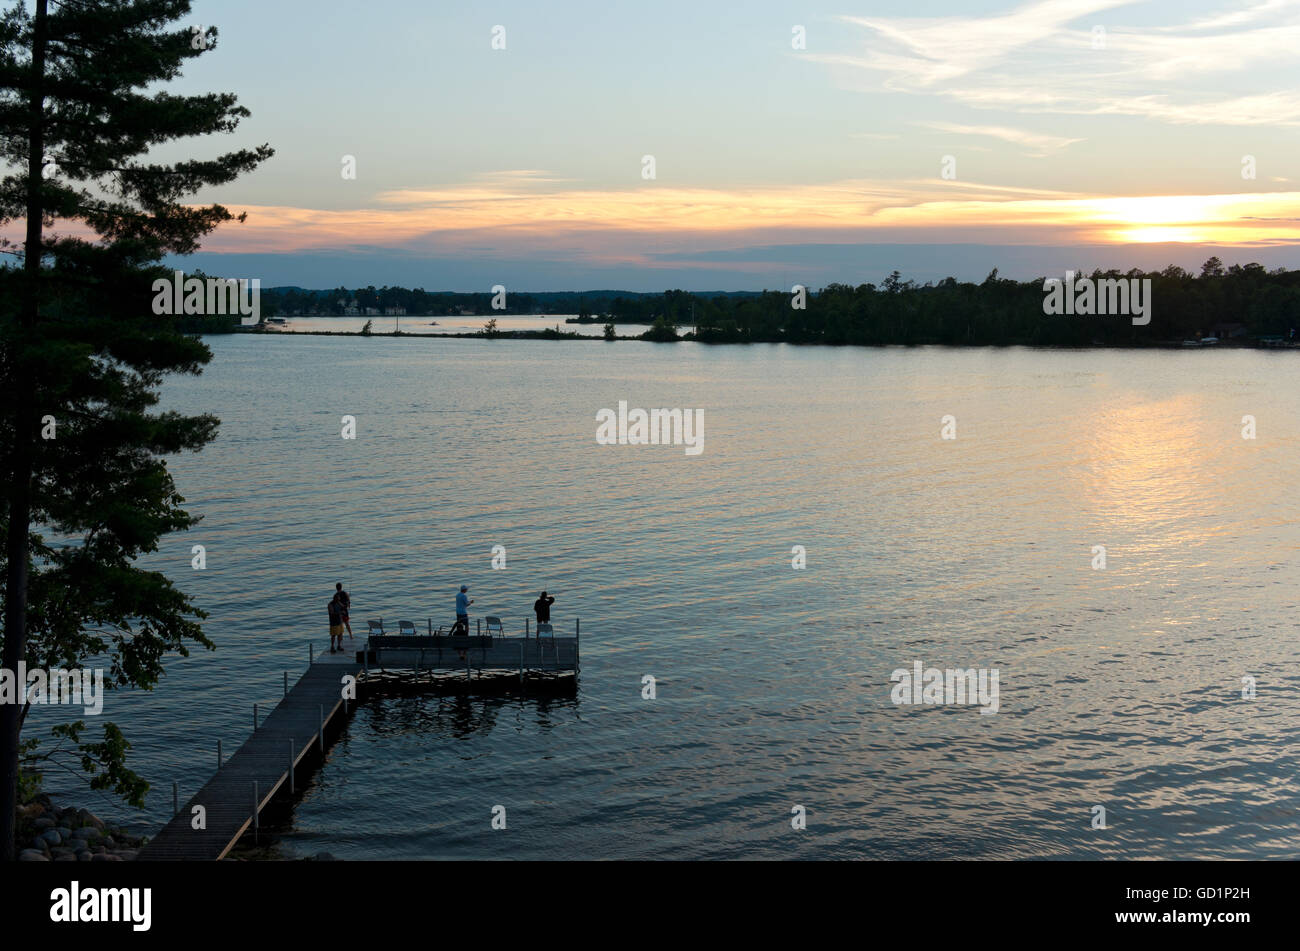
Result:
x=302 y=724
x=299 y=727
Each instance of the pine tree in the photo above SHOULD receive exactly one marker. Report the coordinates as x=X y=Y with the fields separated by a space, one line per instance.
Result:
x=81 y=353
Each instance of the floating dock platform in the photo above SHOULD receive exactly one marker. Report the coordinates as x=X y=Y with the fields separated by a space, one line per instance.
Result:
x=521 y=655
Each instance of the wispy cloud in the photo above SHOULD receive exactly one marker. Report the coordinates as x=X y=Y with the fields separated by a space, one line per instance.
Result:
x=1045 y=58
x=1236 y=17
x=1038 y=143
x=944 y=48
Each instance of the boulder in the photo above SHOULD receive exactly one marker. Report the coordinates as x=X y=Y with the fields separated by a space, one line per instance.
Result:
x=51 y=837
x=88 y=818
x=85 y=855
x=69 y=857
x=43 y=823
x=89 y=833
x=31 y=855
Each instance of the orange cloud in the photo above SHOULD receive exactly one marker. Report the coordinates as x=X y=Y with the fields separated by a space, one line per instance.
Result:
x=520 y=212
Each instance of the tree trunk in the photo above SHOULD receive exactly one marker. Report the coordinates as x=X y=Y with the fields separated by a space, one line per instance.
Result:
x=23 y=408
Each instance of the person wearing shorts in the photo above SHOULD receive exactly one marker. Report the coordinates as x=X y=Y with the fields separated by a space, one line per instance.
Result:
x=336 y=623
x=345 y=607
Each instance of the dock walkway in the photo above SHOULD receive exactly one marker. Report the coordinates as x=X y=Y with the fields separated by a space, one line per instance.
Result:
x=305 y=717
x=302 y=723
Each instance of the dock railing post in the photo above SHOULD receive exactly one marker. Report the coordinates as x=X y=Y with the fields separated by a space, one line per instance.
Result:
x=286 y=683
x=521 y=663
x=320 y=708
x=311 y=653
x=428 y=625
x=291 y=789
x=256 y=822
x=478 y=623
x=526 y=634
x=577 y=643
x=176 y=799
x=218 y=754
x=254 y=718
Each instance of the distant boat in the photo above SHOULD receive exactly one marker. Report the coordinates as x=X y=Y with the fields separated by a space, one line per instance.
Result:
x=1191 y=343
x=278 y=321
x=1209 y=341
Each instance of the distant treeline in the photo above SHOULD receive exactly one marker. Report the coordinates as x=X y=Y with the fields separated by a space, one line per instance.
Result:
x=1241 y=302
x=372 y=302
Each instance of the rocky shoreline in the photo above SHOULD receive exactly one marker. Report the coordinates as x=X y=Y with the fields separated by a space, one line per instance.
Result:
x=48 y=833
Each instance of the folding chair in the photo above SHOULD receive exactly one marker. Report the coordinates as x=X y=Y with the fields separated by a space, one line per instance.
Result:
x=493 y=623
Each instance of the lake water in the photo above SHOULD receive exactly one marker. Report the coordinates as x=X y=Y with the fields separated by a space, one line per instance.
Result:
x=1119 y=687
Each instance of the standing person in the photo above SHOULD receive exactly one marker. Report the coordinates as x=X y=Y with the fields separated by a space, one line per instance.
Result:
x=336 y=623
x=463 y=601
x=345 y=607
x=542 y=606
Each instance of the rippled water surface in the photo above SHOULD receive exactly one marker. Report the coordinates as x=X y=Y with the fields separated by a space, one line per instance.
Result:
x=1119 y=687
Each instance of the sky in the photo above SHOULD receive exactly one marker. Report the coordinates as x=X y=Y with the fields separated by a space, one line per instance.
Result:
x=791 y=142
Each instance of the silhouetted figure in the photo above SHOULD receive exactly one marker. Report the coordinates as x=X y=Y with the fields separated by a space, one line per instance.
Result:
x=542 y=606
x=345 y=607
x=336 y=623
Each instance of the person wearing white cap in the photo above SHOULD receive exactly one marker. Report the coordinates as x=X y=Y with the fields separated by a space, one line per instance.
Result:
x=463 y=601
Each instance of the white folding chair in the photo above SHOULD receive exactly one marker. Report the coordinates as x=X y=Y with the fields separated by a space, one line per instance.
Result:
x=406 y=629
x=375 y=627
x=493 y=623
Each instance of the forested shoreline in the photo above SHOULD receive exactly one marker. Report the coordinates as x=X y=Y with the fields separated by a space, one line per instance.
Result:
x=1244 y=304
